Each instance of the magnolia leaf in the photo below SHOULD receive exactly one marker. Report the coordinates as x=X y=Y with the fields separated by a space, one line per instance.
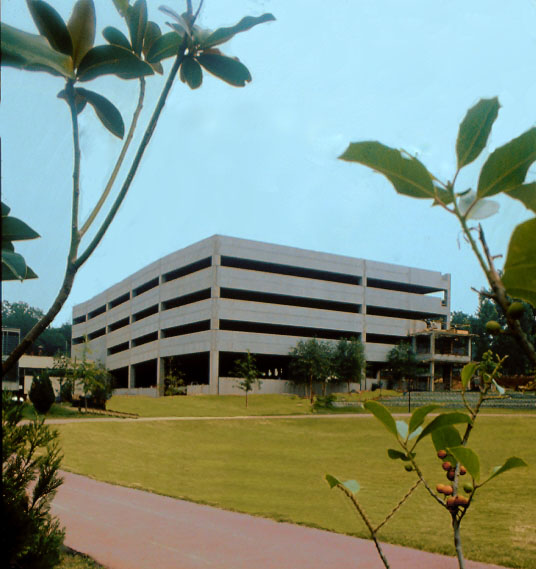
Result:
x=221 y=35
x=14 y=229
x=14 y=267
x=108 y=114
x=407 y=174
x=519 y=276
x=352 y=486
x=396 y=454
x=479 y=210
x=81 y=26
x=112 y=60
x=443 y=421
x=51 y=25
x=382 y=414
x=226 y=68
x=332 y=481
x=468 y=371
x=116 y=37
x=31 y=52
x=500 y=389
x=5 y=209
x=165 y=46
x=474 y=130
x=506 y=167
x=122 y=7
x=512 y=462
x=442 y=196
x=526 y=194
x=402 y=429
x=182 y=25
x=415 y=433
x=79 y=100
x=468 y=458
x=419 y=415
x=152 y=33
x=446 y=437
x=191 y=73
x=137 y=23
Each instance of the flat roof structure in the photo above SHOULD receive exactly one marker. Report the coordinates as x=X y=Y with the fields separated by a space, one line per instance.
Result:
x=207 y=304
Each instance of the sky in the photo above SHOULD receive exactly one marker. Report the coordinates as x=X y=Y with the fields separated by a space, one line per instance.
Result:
x=260 y=162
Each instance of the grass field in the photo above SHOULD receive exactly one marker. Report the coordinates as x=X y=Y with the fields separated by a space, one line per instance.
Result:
x=276 y=468
x=57 y=411
x=222 y=405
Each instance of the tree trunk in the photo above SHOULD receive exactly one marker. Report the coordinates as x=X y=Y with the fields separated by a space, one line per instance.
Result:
x=458 y=542
x=311 y=388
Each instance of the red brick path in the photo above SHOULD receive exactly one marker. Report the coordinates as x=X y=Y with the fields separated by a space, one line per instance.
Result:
x=123 y=528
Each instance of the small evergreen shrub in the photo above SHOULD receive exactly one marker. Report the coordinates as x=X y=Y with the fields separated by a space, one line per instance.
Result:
x=41 y=393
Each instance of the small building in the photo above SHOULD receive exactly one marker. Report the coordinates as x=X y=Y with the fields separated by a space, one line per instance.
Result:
x=206 y=305
x=444 y=352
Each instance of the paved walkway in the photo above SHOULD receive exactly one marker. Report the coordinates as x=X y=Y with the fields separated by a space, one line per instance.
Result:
x=250 y=417
x=123 y=528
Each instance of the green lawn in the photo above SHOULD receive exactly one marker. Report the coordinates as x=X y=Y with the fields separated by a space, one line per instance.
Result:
x=224 y=405
x=276 y=468
x=57 y=411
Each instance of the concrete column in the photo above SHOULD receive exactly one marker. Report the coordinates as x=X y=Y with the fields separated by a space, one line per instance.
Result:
x=131 y=377
x=160 y=373
x=214 y=363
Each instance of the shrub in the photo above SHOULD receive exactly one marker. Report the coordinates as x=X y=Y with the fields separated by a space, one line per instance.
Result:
x=41 y=393
x=31 y=537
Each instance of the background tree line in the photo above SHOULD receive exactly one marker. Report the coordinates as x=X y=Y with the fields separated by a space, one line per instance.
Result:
x=24 y=317
x=501 y=343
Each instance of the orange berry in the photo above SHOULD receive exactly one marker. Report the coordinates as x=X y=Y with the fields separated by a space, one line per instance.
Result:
x=446 y=466
x=441 y=454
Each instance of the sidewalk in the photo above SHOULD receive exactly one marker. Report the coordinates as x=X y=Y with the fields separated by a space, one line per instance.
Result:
x=124 y=528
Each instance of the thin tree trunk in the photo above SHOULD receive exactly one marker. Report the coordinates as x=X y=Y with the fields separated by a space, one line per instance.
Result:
x=458 y=542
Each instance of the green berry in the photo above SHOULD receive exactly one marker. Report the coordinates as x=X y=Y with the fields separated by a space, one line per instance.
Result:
x=493 y=327
x=408 y=467
x=515 y=310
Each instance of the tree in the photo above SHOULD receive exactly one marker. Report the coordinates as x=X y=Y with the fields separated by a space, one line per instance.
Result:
x=24 y=317
x=41 y=393
x=31 y=537
x=246 y=369
x=403 y=363
x=504 y=171
x=67 y=50
x=310 y=361
x=349 y=360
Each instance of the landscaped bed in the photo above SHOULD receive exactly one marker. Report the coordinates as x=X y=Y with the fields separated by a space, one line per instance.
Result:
x=276 y=468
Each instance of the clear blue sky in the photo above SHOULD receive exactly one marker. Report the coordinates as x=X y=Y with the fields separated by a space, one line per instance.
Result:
x=261 y=162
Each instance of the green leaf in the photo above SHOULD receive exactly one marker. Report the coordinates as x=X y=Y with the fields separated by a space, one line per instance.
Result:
x=51 y=25
x=512 y=462
x=137 y=22
x=468 y=371
x=81 y=26
x=474 y=130
x=79 y=100
x=165 y=46
x=332 y=481
x=396 y=454
x=226 y=68
x=191 y=73
x=446 y=437
x=5 y=209
x=152 y=33
x=382 y=414
x=443 y=421
x=402 y=429
x=408 y=175
x=419 y=415
x=14 y=229
x=106 y=111
x=352 y=486
x=122 y=7
x=506 y=167
x=112 y=60
x=221 y=35
x=526 y=194
x=14 y=267
x=519 y=276
x=116 y=37
x=500 y=389
x=415 y=433
x=468 y=458
x=32 y=53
